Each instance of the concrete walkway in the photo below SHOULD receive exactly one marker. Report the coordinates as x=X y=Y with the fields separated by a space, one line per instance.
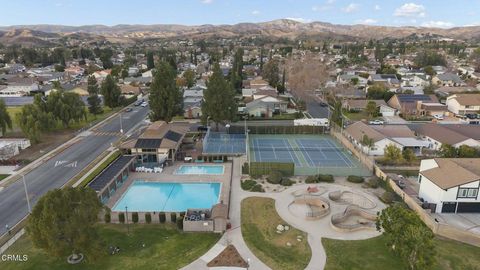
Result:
x=315 y=229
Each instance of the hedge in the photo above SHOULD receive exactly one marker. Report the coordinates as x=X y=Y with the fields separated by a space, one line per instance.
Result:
x=265 y=168
x=107 y=217
x=173 y=217
x=355 y=179
x=320 y=178
x=121 y=217
x=135 y=217
x=162 y=217
x=148 y=218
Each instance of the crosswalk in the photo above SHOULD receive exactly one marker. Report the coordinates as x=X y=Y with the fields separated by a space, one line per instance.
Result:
x=102 y=133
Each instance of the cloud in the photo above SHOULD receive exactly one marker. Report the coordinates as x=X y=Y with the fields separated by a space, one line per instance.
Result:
x=367 y=21
x=410 y=10
x=321 y=8
x=438 y=24
x=256 y=12
x=207 y=2
x=302 y=20
x=377 y=7
x=331 y=1
x=350 y=8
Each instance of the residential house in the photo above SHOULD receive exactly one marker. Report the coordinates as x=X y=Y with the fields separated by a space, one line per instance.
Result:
x=133 y=71
x=447 y=91
x=160 y=142
x=266 y=107
x=192 y=102
x=439 y=69
x=431 y=109
x=462 y=104
x=257 y=83
x=349 y=78
x=450 y=185
x=358 y=105
x=448 y=79
x=436 y=135
x=408 y=104
x=382 y=136
x=390 y=80
x=18 y=87
x=129 y=90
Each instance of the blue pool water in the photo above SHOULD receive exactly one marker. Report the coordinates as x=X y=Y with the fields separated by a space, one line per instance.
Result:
x=168 y=197
x=200 y=169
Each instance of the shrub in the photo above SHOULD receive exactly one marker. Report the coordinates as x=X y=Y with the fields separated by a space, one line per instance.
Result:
x=135 y=217
x=373 y=182
x=162 y=217
x=257 y=188
x=173 y=217
x=107 y=217
x=311 y=179
x=387 y=197
x=286 y=182
x=326 y=178
x=121 y=217
x=148 y=218
x=180 y=223
x=245 y=168
x=275 y=177
x=248 y=184
x=355 y=179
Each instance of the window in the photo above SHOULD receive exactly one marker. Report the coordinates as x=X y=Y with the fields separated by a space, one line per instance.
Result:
x=467 y=192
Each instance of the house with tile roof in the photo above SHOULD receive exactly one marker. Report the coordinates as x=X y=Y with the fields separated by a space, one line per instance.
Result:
x=436 y=135
x=462 y=104
x=450 y=185
x=266 y=107
x=448 y=79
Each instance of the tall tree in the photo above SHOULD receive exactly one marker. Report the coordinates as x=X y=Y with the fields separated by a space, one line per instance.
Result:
x=165 y=97
x=271 y=73
x=63 y=223
x=111 y=92
x=150 y=60
x=189 y=76
x=371 y=108
x=94 y=101
x=219 y=98
x=447 y=151
x=236 y=74
x=33 y=121
x=408 y=236
x=5 y=120
x=66 y=107
x=281 y=87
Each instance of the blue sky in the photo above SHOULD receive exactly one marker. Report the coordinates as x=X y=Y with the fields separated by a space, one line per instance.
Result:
x=435 y=13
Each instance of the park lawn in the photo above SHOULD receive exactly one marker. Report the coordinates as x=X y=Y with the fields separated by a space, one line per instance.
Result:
x=259 y=222
x=165 y=248
x=372 y=254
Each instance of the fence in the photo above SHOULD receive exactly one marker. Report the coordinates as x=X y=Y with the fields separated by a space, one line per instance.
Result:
x=264 y=168
x=438 y=228
x=265 y=129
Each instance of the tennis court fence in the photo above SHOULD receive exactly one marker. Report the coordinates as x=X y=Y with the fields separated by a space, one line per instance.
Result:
x=279 y=129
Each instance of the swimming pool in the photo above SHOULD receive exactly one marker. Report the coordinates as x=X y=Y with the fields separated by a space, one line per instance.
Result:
x=144 y=196
x=200 y=169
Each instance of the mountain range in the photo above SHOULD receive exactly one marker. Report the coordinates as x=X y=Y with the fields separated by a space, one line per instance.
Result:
x=282 y=28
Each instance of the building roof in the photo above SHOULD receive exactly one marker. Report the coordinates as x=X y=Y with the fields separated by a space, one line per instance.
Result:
x=441 y=133
x=148 y=143
x=471 y=131
x=414 y=98
x=397 y=131
x=104 y=178
x=452 y=172
x=467 y=99
x=162 y=135
x=362 y=103
x=358 y=129
x=449 y=77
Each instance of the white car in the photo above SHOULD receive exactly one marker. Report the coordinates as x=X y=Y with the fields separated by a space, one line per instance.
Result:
x=376 y=122
x=144 y=104
x=438 y=116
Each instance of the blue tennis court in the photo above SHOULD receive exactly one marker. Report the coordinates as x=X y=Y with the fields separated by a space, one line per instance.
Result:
x=310 y=153
x=224 y=143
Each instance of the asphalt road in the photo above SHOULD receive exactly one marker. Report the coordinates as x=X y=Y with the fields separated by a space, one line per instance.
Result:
x=58 y=170
x=317 y=111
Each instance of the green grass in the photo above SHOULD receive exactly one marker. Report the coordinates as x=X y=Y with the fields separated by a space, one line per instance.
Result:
x=372 y=254
x=12 y=111
x=259 y=222
x=165 y=248
x=100 y=168
x=3 y=176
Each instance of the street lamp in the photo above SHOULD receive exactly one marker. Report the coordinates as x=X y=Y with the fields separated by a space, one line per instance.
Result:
x=228 y=128
x=248 y=263
x=26 y=194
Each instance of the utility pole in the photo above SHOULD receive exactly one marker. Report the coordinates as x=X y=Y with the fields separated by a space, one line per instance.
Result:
x=121 y=123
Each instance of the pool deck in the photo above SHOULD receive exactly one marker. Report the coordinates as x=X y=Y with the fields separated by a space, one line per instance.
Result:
x=168 y=175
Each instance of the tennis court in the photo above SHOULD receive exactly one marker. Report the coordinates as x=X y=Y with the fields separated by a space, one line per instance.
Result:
x=219 y=143
x=310 y=154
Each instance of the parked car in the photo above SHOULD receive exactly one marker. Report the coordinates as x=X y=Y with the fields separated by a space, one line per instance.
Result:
x=129 y=109
x=138 y=103
x=144 y=104
x=376 y=122
x=438 y=116
x=323 y=104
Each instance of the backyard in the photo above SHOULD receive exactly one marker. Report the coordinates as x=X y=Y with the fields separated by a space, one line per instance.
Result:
x=373 y=254
x=259 y=230
x=164 y=248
